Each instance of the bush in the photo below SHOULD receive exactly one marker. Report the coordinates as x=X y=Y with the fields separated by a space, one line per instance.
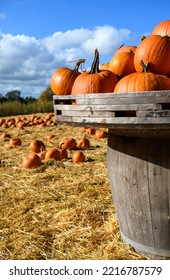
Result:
x=12 y=108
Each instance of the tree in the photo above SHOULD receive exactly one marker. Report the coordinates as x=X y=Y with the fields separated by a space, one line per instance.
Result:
x=46 y=95
x=13 y=95
x=2 y=98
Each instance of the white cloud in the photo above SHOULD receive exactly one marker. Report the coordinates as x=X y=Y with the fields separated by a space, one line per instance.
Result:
x=28 y=63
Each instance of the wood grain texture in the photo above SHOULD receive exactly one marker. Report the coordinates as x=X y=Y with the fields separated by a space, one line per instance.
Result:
x=114 y=110
x=139 y=174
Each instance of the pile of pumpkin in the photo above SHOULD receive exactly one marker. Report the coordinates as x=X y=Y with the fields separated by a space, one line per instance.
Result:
x=21 y=122
x=145 y=67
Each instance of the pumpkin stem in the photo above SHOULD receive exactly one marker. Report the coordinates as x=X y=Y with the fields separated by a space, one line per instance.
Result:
x=143 y=37
x=78 y=63
x=120 y=46
x=95 y=64
x=144 y=66
x=167 y=36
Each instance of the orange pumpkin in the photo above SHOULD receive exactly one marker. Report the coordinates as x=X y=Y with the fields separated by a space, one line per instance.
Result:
x=15 y=142
x=90 y=130
x=42 y=154
x=145 y=81
x=154 y=49
x=95 y=81
x=104 y=66
x=68 y=143
x=78 y=156
x=122 y=63
x=63 y=153
x=37 y=146
x=63 y=78
x=30 y=161
x=162 y=28
x=49 y=137
x=52 y=153
x=124 y=48
x=99 y=134
x=83 y=143
x=5 y=136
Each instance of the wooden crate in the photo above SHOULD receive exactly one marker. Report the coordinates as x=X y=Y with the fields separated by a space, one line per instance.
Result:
x=119 y=111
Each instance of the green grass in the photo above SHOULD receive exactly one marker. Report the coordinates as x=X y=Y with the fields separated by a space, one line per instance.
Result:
x=13 y=108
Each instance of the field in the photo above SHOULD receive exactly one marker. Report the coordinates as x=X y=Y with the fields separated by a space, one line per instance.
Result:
x=59 y=210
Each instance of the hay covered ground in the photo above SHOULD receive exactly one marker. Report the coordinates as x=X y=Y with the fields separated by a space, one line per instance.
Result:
x=59 y=210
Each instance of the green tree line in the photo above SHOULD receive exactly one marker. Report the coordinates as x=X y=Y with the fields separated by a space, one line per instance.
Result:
x=12 y=103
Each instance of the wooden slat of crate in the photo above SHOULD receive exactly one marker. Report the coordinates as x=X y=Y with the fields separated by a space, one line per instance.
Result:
x=162 y=93
x=108 y=107
x=124 y=100
x=117 y=98
x=104 y=114
x=114 y=120
x=155 y=114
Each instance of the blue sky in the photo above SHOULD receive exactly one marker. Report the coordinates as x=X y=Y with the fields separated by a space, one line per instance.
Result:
x=37 y=37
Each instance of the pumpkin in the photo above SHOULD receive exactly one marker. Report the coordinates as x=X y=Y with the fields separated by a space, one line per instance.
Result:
x=37 y=146
x=122 y=63
x=78 y=156
x=83 y=143
x=99 y=134
x=145 y=81
x=63 y=153
x=15 y=142
x=52 y=153
x=2 y=121
x=90 y=130
x=30 y=161
x=49 y=137
x=68 y=143
x=5 y=136
x=162 y=28
x=154 y=49
x=63 y=78
x=95 y=81
x=104 y=66
x=124 y=48
x=42 y=154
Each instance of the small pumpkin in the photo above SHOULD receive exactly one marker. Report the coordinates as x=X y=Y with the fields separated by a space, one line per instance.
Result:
x=37 y=146
x=68 y=143
x=2 y=121
x=49 y=137
x=99 y=134
x=83 y=143
x=90 y=130
x=42 y=154
x=5 y=136
x=63 y=78
x=78 y=156
x=52 y=153
x=15 y=142
x=63 y=153
x=30 y=161
x=96 y=80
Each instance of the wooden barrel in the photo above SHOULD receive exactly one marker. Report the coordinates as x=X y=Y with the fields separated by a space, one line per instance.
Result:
x=139 y=174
